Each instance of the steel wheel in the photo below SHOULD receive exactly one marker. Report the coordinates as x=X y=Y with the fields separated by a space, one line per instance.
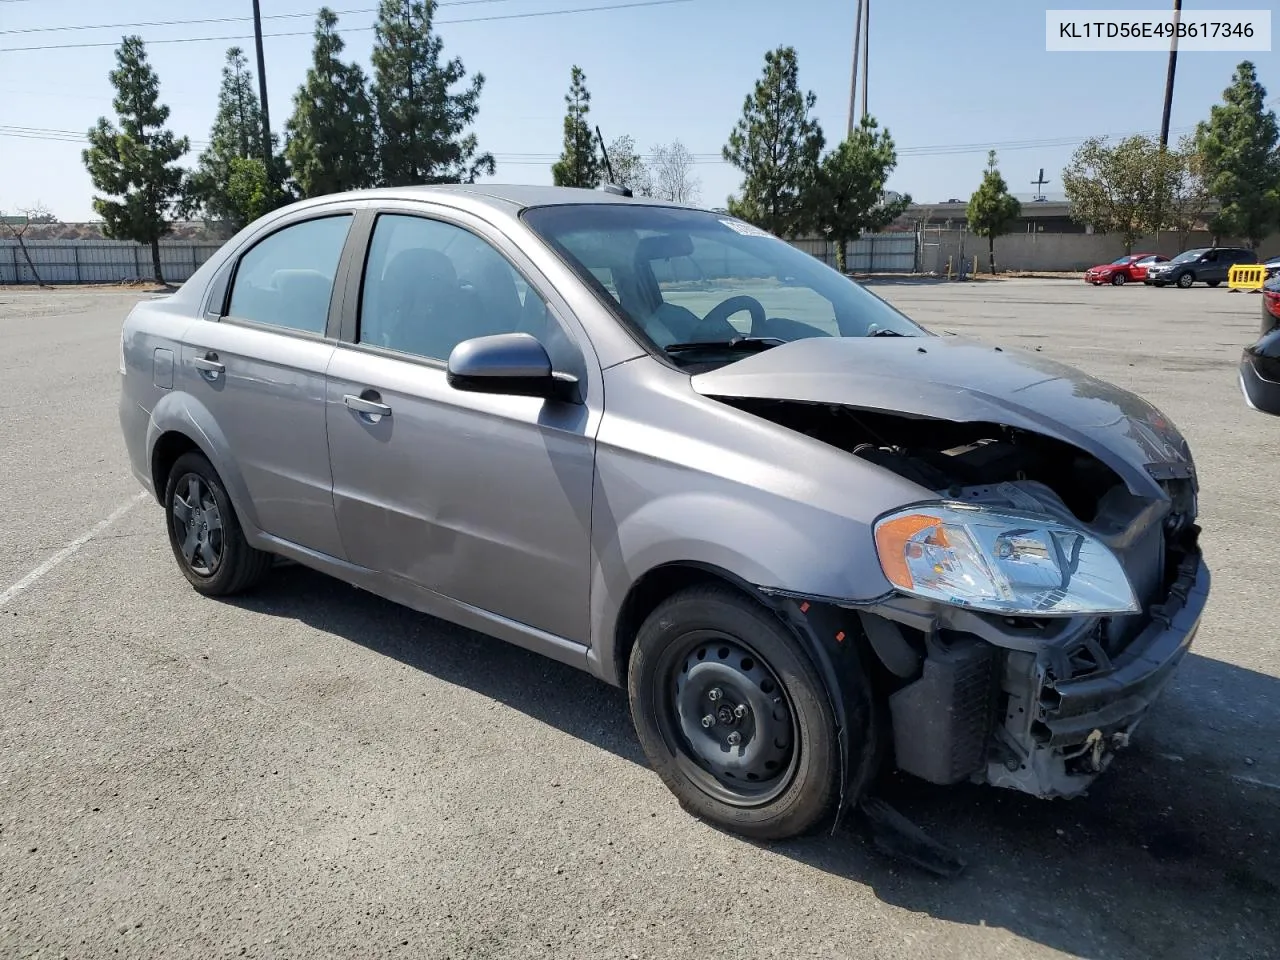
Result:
x=727 y=718
x=197 y=525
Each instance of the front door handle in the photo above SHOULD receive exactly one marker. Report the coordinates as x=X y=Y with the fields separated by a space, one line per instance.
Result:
x=209 y=366
x=366 y=406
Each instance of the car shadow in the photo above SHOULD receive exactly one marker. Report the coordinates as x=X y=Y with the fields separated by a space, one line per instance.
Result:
x=1173 y=853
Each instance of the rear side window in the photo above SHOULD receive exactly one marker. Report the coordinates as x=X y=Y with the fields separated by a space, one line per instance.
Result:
x=287 y=279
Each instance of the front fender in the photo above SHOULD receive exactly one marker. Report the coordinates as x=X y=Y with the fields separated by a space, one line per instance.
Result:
x=184 y=414
x=765 y=543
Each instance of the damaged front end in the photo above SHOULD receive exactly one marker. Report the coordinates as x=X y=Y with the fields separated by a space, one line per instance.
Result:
x=1037 y=702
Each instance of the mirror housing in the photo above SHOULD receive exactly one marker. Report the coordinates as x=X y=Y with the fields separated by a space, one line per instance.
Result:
x=514 y=364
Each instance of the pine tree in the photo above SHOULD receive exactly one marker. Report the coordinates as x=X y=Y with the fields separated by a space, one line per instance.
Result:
x=135 y=164
x=330 y=137
x=776 y=145
x=849 y=196
x=1241 y=161
x=992 y=208
x=421 y=123
x=579 y=164
x=235 y=143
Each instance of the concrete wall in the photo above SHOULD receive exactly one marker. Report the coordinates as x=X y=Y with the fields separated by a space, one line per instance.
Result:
x=1060 y=251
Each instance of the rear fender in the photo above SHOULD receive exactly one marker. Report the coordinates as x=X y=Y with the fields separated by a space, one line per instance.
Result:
x=184 y=414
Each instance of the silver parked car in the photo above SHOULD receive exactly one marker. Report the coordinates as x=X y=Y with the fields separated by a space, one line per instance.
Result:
x=811 y=539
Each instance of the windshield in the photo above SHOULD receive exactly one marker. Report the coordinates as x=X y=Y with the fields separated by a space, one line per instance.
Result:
x=681 y=276
x=1189 y=255
x=1121 y=262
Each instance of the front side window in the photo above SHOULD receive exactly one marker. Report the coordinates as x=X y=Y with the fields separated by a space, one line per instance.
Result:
x=287 y=279
x=429 y=285
x=682 y=277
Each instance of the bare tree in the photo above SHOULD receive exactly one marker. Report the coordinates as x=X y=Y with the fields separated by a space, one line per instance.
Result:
x=38 y=213
x=672 y=173
x=628 y=169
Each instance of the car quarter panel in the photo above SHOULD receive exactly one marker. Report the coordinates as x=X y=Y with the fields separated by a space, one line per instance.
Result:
x=269 y=405
x=682 y=478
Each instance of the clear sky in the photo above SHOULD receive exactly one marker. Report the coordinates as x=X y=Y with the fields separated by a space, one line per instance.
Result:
x=948 y=79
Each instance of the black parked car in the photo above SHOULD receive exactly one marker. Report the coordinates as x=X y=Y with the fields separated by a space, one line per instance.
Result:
x=1205 y=264
x=1260 y=365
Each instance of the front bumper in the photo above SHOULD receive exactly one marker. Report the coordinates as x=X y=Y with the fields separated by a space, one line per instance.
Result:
x=1044 y=716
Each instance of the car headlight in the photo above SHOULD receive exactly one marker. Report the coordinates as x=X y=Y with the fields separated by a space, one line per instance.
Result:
x=1000 y=562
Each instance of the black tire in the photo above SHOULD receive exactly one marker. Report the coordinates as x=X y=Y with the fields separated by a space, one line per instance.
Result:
x=1213 y=283
x=1185 y=280
x=766 y=666
x=1118 y=279
x=230 y=565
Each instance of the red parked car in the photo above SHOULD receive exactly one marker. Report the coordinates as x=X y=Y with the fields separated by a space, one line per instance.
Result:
x=1132 y=267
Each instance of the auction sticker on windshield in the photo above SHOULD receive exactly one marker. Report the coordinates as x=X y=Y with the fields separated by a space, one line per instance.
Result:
x=746 y=229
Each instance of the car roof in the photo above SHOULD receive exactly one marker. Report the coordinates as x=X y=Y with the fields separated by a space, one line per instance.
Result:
x=510 y=198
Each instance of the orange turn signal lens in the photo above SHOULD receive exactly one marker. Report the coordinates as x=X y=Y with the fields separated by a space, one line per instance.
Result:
x=892 y=537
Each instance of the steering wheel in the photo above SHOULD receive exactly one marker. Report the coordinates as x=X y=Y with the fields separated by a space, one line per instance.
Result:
x=721 y=312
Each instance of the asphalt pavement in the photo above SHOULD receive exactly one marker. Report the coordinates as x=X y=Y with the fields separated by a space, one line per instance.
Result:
x=312 y=772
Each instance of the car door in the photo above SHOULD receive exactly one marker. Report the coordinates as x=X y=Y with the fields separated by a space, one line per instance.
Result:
x=484 y=499
x=258 y=362
x=1213 y=266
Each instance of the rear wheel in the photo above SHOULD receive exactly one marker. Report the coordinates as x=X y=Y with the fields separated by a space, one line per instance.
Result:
x=1118 y=280
x=205 y=533
x=734 y=717
x=1185 y=280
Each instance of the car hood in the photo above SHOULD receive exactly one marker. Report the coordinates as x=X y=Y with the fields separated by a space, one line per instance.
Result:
x=953 y=378
x=1101 y=267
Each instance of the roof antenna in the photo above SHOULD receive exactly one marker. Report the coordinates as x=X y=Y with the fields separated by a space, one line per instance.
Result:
x=610 y=187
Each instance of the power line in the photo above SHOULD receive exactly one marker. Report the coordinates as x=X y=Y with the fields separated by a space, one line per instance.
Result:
x=307 y=33
x=190 y=22
x=537 y=158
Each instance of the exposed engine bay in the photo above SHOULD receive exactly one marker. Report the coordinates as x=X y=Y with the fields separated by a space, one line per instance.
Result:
x=947 y=457
x=1035 y=704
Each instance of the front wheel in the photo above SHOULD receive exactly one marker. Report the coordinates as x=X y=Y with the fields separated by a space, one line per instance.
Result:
x=1117 y=280
x=734 y=717
x=1186 y=280
x=204 y=532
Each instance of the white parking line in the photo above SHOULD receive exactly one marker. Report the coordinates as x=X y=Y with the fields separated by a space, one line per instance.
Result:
x=71 y=548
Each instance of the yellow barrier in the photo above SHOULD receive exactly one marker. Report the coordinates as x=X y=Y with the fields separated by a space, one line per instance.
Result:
x=1247 y=276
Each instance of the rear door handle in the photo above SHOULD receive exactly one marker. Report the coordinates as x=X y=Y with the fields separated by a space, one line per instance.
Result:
x=209 y=366
x=370 y=407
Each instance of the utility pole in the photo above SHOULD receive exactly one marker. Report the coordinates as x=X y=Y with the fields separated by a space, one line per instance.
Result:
x=1168 y=109
x=853 y=80
x=866 y=52
x=262 y=95
x=1168 y=83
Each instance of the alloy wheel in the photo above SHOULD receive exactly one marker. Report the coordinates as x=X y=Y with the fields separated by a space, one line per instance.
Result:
x=197 y=525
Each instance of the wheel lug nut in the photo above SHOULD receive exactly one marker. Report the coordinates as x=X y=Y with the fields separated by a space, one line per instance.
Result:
x=740 y=711
x=708 y=721
x=714 y=694
x=735 y=738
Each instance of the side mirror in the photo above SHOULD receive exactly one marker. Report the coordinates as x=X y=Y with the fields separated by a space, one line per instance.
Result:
x=515 y=364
